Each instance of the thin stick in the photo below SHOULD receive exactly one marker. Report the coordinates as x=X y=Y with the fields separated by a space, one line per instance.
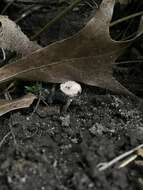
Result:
x=4 y=138
x=126 y=18
x=58 y=17
x=27 y=13
x=105 y=165
x=37 y=105
x=7 y=6
x=128 y=161
x=130 y=61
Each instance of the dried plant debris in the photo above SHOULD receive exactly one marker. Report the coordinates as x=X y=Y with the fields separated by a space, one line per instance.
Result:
x=13 y=39
x=124 y=158
x=10 y=105
x=86 y=57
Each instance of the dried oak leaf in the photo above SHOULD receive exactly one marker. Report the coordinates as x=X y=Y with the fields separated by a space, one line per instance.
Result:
x=10 y=105
x=13 y=39
x=86 y=57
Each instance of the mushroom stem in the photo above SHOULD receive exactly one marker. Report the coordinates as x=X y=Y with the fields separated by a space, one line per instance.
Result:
x=68 y=103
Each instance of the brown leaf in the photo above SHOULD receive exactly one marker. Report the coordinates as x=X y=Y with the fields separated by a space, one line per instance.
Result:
x=10 y=105
x=86 y=57
x=12 y=38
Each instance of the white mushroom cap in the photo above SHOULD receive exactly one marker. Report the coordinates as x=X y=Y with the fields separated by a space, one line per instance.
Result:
x=70 y=88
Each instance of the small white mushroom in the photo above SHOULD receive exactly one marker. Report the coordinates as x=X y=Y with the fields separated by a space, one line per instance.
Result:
x=71 y=89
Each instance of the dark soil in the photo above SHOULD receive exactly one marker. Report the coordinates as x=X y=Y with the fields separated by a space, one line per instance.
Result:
x=52 y=150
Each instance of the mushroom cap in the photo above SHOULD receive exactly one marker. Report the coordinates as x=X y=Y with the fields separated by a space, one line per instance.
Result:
x=70 y=88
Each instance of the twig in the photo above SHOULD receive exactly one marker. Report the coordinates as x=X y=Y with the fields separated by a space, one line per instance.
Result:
x=130 y=61
x=64 y=12
x=4 y=138
x=126 y=18
x=7 y=6
x=27 y=13
x=105 y=165
x=37 y=104
x=128 y=160
x=57 y=18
